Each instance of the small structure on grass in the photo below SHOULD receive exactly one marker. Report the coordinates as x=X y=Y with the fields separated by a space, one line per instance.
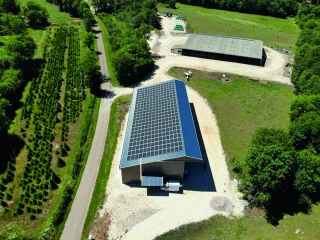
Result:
x=167 y=14
x=160 y=135
x=179 y=17
x=178 y=27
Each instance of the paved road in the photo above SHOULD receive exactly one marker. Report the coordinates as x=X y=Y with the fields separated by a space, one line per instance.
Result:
x=77 y=216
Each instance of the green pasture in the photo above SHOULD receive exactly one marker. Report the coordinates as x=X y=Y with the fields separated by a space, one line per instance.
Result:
x=272 y=31
x=241 y=106
x=252 y=226
x=55 y=15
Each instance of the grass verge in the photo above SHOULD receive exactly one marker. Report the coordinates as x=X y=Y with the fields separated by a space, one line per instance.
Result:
x=118 y=111
x=272 y=31
x=108 y=52
x=241 y=106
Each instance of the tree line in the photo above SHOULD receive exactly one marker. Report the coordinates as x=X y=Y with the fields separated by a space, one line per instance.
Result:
x=281 y=172
x=275 y=8
x=16 y=64
x=129 y=24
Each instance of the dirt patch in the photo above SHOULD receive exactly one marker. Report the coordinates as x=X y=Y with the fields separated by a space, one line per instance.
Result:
x=221 y=204
x=101 y=228
x=256 y=211
x=123 y=107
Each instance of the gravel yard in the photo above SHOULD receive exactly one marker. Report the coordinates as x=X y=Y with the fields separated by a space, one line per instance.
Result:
x=140 y=213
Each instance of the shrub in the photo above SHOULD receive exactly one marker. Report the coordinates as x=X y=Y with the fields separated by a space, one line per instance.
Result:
x=3 y=203
x=8 y=196
x=32 y=216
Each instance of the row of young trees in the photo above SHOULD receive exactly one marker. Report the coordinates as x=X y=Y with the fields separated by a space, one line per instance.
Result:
x=282 y=168
x=132 y=58
x=40 y=112
x=276 y=8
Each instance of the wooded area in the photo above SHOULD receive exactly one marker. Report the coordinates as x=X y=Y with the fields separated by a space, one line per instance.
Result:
x=282 y=168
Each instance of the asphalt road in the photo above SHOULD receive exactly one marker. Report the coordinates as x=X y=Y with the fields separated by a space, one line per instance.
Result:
x=78 y=213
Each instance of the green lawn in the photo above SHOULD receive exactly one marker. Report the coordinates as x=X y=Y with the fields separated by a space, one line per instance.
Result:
x=55 y=15
x=119 y=109
x=272 y=31
x=241 y=106
x=251 y=226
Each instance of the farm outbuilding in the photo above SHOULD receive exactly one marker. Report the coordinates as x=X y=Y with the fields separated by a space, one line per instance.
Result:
x=223 y=48
x=160 y=135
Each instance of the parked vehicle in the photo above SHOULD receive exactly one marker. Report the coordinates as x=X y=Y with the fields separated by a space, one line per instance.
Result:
x=171 y=186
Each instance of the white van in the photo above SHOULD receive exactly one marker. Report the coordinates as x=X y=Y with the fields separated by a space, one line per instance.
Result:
x=171 y=186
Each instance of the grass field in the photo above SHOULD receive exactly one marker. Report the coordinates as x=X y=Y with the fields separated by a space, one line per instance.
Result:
x=119 y=109
x=272 y=31
x=241 y=106
x=252 y=226
x=55 y=16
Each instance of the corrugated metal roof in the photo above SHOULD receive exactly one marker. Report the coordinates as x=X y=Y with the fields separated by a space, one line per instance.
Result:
x=149 y=181
x=160 y=126
x=224 y=45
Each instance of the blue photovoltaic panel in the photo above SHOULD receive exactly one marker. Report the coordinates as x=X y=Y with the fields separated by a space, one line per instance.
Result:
x=160 y=126
x=156 y=126
x=188 y=129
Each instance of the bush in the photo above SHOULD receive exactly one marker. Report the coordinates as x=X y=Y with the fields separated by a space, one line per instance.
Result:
x=8 y=196
x=3 y=203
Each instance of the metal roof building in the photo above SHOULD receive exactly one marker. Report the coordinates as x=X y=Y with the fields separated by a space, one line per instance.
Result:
x=160 y=135
x=223 y=48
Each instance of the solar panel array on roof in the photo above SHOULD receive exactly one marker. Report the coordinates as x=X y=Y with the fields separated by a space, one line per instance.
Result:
x=160 y=126
x=225 y=45
x=156 y=127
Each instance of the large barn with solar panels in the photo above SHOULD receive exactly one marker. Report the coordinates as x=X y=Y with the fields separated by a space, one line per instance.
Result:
x=160 y=136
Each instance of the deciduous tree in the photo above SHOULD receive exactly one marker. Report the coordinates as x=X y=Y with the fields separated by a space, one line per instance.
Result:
x=20 y=48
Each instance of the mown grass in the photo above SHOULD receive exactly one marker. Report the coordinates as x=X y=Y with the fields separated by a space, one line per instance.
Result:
x=118 y=111
x=108 y=52
x=272 y=31
x=241 y=106
x=55 y=16
x=251 y=226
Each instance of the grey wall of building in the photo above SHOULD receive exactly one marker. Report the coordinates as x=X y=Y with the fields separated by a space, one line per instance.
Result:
x=224 y=57
x=168 y=170
x=131 y=174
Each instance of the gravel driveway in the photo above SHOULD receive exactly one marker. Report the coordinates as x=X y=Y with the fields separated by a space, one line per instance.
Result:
x=139 y=213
